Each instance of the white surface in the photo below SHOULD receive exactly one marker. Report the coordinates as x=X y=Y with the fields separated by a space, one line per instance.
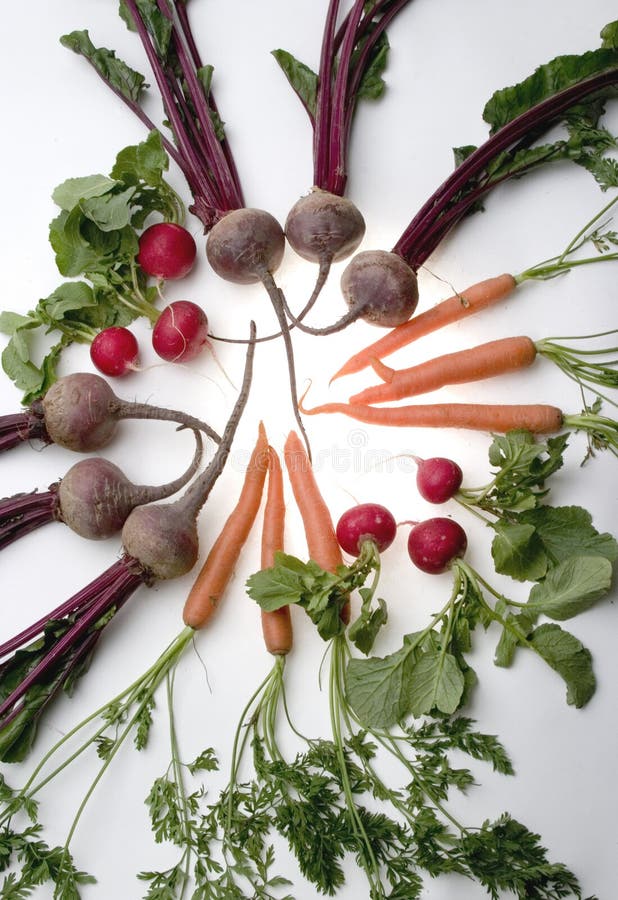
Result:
x=59 y=120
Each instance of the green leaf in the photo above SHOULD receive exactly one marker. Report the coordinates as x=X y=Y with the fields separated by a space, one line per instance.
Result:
x=111 y=212
x=11 y=322
x=303 y=80
x=568 y=531
x=364 y=630
x=159 y=26
x=436 y=683
x=73 y=190
x=569 y=658
x=518 y=551
x=282 y=584
x=375 y=687
x=573 y=586
x=610 y=35
x=372 y=84
x=556 y=75
x=516 y=629
x=23 y=373
x=115 y=72
x=69 y=298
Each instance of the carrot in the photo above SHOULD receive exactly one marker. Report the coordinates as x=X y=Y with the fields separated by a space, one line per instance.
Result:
x=472 y=364
x=538 y=418
x=322 y=542
x=218 y=568
x=475 y=298
x=276 y=625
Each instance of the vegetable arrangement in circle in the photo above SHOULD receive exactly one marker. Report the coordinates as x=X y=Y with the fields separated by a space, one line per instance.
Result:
x=354 y=748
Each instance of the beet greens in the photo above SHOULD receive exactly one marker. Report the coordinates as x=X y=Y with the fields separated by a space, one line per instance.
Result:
x=570 y=90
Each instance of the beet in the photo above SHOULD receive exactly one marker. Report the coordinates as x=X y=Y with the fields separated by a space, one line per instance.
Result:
x=81 y=412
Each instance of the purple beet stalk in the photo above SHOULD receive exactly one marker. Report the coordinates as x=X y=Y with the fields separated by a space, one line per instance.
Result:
x=443 y=209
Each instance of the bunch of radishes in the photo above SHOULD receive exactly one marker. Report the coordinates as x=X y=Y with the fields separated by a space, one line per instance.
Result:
x=434 y=543
x=167 y=252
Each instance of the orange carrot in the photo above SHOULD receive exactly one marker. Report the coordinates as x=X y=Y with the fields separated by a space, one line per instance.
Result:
x=322 y=542
x=538 y=418
x=218 y=568
x=276 y=625
x=473 y=364
x=459 y=306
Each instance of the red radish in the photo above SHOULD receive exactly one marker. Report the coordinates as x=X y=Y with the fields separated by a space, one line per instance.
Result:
x=180 y=332
x=166 y=250
x=366 y=522
x=437 y=478
x=434 y=544
x=114 y=351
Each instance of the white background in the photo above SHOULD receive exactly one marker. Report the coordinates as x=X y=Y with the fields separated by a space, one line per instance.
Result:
x=59 y=121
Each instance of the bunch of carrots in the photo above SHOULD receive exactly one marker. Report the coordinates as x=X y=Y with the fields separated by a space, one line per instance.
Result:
x=484 y=361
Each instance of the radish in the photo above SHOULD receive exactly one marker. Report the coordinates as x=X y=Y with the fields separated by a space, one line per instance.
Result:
x=435 y=544
x=159 y=541
x=81 y=412
x=166 y=250
x=438 y=478
x=366 y=522
x=114 y=351
x=180 y=332
x=94 y=499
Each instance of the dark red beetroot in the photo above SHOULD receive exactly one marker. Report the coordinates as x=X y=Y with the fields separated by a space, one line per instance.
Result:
x=78 y=624
x=434 y=544
x=245 y=247
x=366 y=522
x=181 y=331
x=94 y=499
x=378 y=287
x=81 y=412
x=324 y=226
x=437 y=478
x=114 y=351
x=167 y=251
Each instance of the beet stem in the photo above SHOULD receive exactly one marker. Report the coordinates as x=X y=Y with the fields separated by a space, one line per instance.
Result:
x=23 y=513
x=17 y=428
x=115 y=593
x=71 y=663
x=323 y=105
x=80 y=599
x=542 y=115
x=337 y=143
